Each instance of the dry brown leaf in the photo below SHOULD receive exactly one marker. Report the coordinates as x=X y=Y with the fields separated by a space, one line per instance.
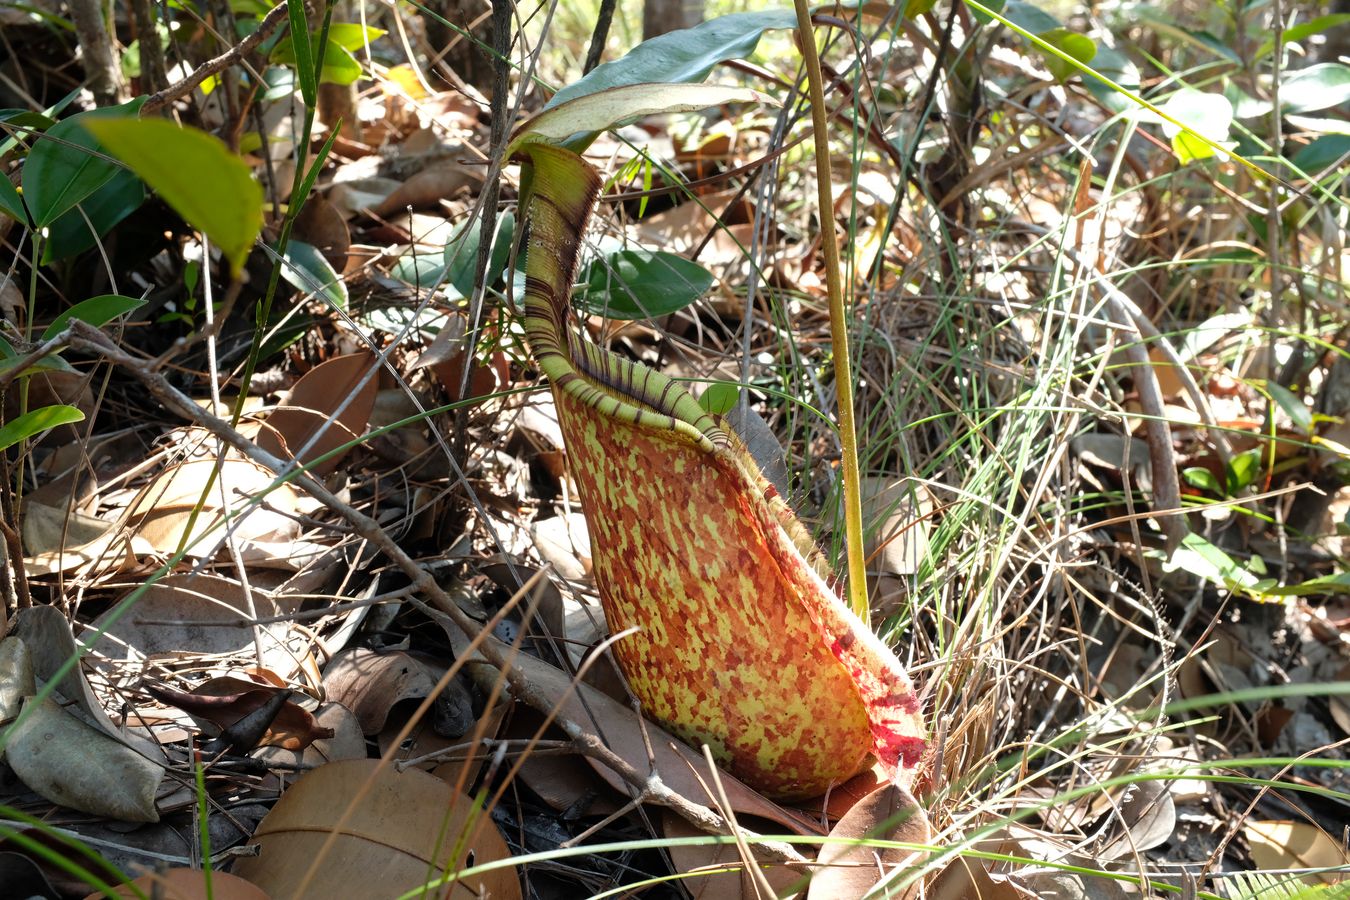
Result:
x=402 y=829
x=727 y=885
x=563 y=781
x=369 y=683
x=849 y=871
x=311 y=410
x=188 y=884
x=427 y=188
x=968 y=879
x=1146 y=818
x=162 y=513
x=347 y=741
x=1285 y=844
x=71 y=763
x=184 y=617
x=320 y=224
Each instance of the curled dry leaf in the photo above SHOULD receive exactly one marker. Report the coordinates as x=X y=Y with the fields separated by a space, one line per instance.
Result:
x=187 y=884
x=223 y=701
x=56 y=542
x=850 y=871
x=309 y=425
x=370 y=682
x=162 y=514
x=1144 y=819
x=73 y=764
x=401 y=831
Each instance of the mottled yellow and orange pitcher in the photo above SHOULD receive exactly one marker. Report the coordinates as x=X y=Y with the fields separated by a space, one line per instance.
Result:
x=741 y=644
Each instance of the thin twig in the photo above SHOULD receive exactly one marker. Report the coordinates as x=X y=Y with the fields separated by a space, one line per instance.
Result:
x=182 y=88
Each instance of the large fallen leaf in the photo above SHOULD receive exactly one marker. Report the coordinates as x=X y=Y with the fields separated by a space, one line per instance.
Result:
x=61 y=542
x=370 y=682
x=188 y=884
x=177 y=509
x=1285 y=844
x=401 y=832
x=16 y=680
x=849 y=871
x=73 y=764
x=47 y=634
x=310 y=425
x=183 y=617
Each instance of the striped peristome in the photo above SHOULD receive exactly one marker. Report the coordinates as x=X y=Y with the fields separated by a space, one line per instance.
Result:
x=740 y=644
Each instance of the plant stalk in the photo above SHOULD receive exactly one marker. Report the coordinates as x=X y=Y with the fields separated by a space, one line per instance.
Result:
x=843 y=369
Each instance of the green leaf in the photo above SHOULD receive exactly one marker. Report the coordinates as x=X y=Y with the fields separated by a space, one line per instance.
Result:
x=1243 y=469
x=302 y=54
x=307 y=269
x=1303 y=30
x=420 y=270
x=1322 y=153
x=206 y=184
x=720 y=397
x=916 y=8
x=36 y=422
x=353 y=36
x=1204 y=560
x=97 y=311
x=107 y=206
x=339 y=66
x=641 y=284
x=461 y=254
x=1202 y=478
x=57 y=176
x=1210 y=115
x=1327 y=584
x=688 y=55
x=1293 y=407
x=1030 y=18
x=26 y=119
x=1317 y=87
x=11 y=204
x=1071 y=44
x=584 y=117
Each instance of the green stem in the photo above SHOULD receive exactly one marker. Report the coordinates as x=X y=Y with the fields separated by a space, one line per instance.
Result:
x=843 y=369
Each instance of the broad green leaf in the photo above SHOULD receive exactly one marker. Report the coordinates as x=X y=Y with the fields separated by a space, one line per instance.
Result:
x=26 y=120
x=353 y=36
x=1243 y=469
x=918 y=7
x=196 y=174
x=120 y=197
x=720 y=397
x=97 y=311
x=1030 y=18
x=1202 y=478
x=1317 y=87
x=36 y=422
x=339 y=66
x=307 y=269
x=641 y=284
x=67 y=164
x=461 y=254
x=586 y=116
x=421 y=270
x=1210 y=115
x=685 y=56
x=1303 y=30
x=10 y=202
x=1071 y=44
x=1293 y=407
x=1323 y=152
